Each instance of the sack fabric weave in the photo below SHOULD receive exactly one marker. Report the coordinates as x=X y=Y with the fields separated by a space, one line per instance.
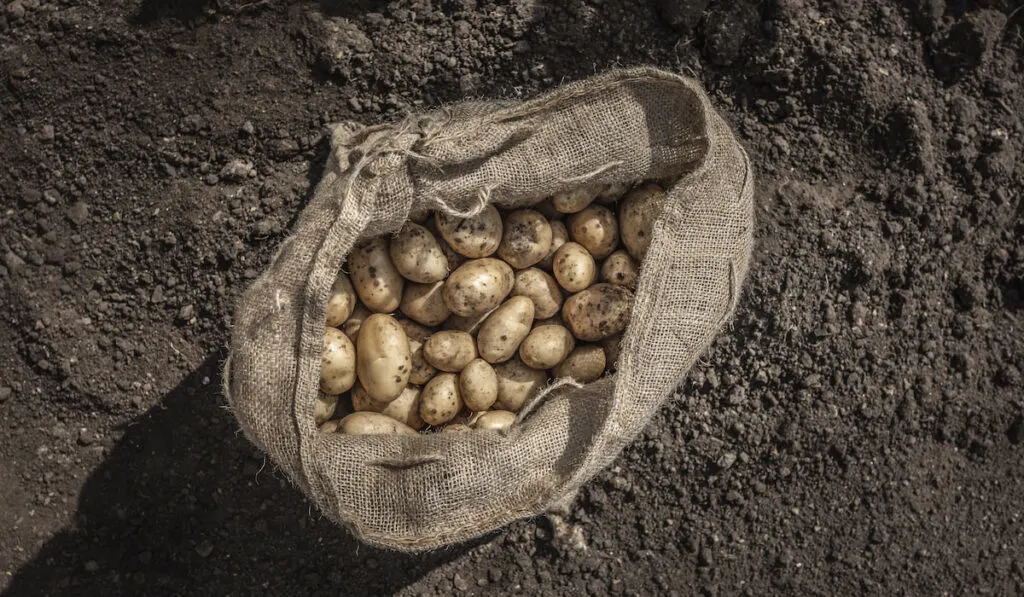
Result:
x=414 y=493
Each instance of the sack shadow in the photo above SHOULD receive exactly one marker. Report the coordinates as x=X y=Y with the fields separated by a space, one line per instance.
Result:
x=183 y=504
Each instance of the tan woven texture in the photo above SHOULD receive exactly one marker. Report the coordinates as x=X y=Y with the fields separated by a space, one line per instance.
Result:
x=431 y=490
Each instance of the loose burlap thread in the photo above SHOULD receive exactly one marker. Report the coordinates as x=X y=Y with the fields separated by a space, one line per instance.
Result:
x=415 y=493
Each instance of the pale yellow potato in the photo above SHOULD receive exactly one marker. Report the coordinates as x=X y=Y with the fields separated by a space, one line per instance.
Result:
x=478 y=286
x=620 y=269
x=440 y=400
x=474 y=237
x=526 y=240
x=478 y=385
x=341 y=301
x=598 y=312
x=470 y=325
x=612 y=193
x=329 y=426
x=355 y=321
x=559 y=236
x=404 y=409
x=422 y=371
x=424 y=303
x=575 y=200
x=417 y=255
x=455 y=259
x=611 y=346
x=337 y=363
x=384 y=359
x=501 y=333
x=585 y=364
x=541 y=288
x=324 y=409
x=574 y=267
x=377 y=282
x=596 y=229
x=546 y=346
x=449 y=350
x=495 y=420
x=371 y=423
x=517 y=384
x=637 y=216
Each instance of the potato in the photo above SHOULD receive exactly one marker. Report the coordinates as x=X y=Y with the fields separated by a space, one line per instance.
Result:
x=422 y=371
x=474 y=237
x=361 y=401
x=598 y=312
x=478 y=286
x=417 y=256
x=596 y=229
x=341 y=301
x=620 y=269
x=576 y=200
x=449 y=351
x=526 y=240
x=404 y=409
x=611 y=346
x=556 y=320
x=371 y=423
x=384 y=359
x=338 y=363
x=424 y=303
x=574 y=267
x=501 y=333
x=377 y=282
x=329 y=426
x=355 y=321
x=517 y=384
x=637 y=216
x=612 y=193
x=478 y=385
x=470 y=325
x=540 y=288
x=559 y=236
x=495 y=420
x=546 y=346
x=440 y=400
x=585 y=364
x=324 y=409
x=455 y=428
x=546 y=209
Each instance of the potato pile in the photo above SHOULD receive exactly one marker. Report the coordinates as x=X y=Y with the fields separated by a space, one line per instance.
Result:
x=454 y=324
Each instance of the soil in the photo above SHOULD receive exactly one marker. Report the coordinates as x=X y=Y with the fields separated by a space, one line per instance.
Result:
x=857 y=428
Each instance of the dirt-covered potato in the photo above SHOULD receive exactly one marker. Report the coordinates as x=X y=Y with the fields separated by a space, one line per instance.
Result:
x=422 y=371
x=596 y=229
x=324 y=409
x=575 y=200
x=585 y=364
x=478 y=286
x=598 y=312
x=517 y=384
x=559 y=236
x=338 y=363
x=405 y=408
x=612 y=193
x=611 y=345
x=440 y=400
x=542 y=289
x=574 y=267
x=449 y=351
x=546 y=346
x=355 y=321
x=501 y=333
x=478 y=385
x=341 y=301
x=637 y=215
x=377 y=282
x=383 y=357
x=495 y=420
x=371 y=423
x=424 y=303
x=470 y=325
x=526 y=240
x=417 y=256
x=620 y=269
x=474 y=237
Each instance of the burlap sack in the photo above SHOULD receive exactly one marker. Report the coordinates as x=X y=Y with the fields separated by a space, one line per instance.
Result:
x=417 y=493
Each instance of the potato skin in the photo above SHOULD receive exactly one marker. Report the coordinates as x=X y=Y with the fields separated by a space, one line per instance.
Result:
x=374 y=277
x=478 y=385
x=546 y=346
x=371 y=423
x=517 y=384
x=574 y=267
x=611 y=346
x=324 y=409
x=474 y=237
x=478 y=286
x=417 y=255
x=341 y=302
x=495 y=420
x=584 y=364
x=501 y=333
x=470 y=325
x=598 y=312
x=612 y=193
x=542 y=289
x=417 y=335
x=559 y=236
x=449 y=351
x=338 y=363
x=355 y=321
x=404 y=409
x=575 y=200
x=424 y=303
x=637 y=215
x=383 y=358
x=596 y=229
x=620 y=269
x=440 y=400
x=526 y=239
